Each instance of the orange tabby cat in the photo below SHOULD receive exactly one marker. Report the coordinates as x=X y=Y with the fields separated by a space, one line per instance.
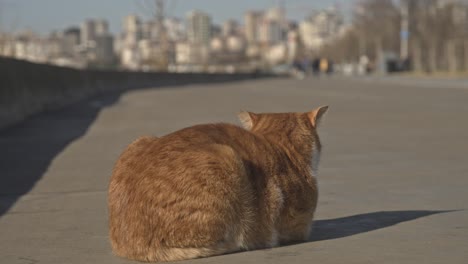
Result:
x=217 y=188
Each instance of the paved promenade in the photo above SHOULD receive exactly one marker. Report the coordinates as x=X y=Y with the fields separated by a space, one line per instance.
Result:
x=393 y=178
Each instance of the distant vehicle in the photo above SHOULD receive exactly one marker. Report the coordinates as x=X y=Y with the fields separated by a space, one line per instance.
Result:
x=288 y=70
x=281 y=69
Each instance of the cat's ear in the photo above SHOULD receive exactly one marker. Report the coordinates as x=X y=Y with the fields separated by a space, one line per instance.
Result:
x=316 y=115
x=247 y=119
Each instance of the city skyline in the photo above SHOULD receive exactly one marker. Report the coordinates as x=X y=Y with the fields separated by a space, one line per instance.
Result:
x=263 y=38
x=26 y=14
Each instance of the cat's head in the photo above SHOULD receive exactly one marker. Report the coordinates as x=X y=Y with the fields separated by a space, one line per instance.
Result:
x=291 y=130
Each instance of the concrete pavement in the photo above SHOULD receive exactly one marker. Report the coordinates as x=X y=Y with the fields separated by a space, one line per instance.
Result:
x=393 y=178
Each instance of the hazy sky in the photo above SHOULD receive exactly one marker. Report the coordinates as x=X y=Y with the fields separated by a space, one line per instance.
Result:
x=46 y=15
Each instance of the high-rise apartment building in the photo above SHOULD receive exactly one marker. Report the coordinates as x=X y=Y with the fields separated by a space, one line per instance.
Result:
x=88 y=32
x=320 y=27
x=229 y=27
x=132 y=30
x=270 y=32
x=252 y=20
x=101 y=27
x=199 y=27
x=70 y=41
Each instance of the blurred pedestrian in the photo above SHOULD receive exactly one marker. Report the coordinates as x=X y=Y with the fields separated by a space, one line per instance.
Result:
x=330 y=67
x=298 y=70
x=324 y=65
x=316 y=66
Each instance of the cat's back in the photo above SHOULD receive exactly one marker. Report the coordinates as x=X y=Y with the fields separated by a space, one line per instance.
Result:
x=151 y=150
x=187 y=149
x=200 y=135
x=187 y=184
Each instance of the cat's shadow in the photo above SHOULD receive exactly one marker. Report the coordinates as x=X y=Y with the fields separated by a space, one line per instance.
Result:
x=362 y=223
x=336 y=228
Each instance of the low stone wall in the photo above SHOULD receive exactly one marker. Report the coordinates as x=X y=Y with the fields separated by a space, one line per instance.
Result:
x=28 y=88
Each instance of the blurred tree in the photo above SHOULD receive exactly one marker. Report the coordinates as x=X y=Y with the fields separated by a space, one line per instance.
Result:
x=374 y=29
x=160 y=52
x=437 y=32
x=378 y=25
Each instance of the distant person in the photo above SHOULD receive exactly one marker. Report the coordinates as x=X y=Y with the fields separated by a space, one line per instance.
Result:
x=316 y=66
x=305 y=65
x=297 y=65
x=298 y=70
x=330 y=67
x=324 y=65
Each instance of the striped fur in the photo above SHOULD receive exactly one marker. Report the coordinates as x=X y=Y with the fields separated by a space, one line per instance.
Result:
x=214 y=189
